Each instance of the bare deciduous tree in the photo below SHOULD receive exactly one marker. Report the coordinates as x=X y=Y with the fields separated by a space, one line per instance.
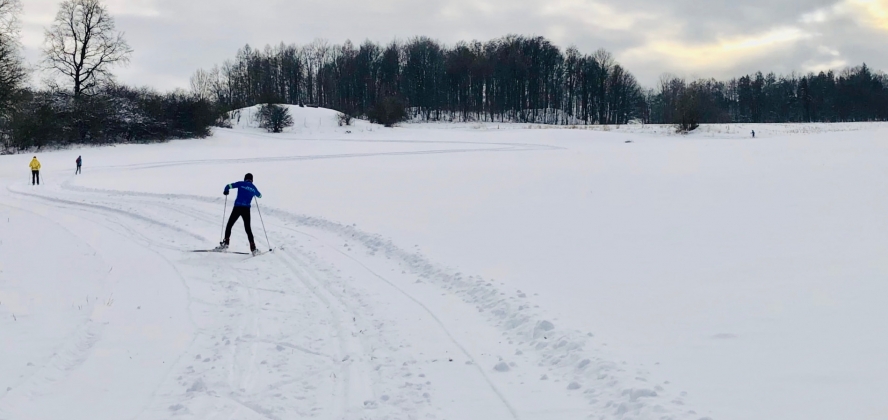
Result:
x=9 y=14
x=201 y=84
x=12 y=70
x=316 y=55
x=82 y=44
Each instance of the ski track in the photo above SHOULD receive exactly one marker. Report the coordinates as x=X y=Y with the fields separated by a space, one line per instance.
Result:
x=269 y=328
x=70 y=357
x=490 y=148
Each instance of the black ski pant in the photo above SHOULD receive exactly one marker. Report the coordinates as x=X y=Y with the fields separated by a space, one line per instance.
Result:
x=239 y=211
x=35 y=177
x=78 y=170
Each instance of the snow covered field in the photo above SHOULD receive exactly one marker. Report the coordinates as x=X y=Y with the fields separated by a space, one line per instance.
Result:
x=469 y=271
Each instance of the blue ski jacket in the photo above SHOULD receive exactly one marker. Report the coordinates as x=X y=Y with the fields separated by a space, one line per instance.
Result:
x=245 y=193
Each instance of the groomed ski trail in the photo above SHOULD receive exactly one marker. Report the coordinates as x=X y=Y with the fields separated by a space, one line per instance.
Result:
x=351 y=390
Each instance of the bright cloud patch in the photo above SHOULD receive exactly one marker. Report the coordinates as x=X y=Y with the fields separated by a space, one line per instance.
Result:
x=720 y=53
x=872 y=12
x=591 y=14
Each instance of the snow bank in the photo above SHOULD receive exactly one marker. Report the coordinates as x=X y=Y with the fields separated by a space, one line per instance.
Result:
x=306 y=120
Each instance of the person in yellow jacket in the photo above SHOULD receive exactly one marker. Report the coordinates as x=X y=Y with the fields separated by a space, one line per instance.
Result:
x=35 y=171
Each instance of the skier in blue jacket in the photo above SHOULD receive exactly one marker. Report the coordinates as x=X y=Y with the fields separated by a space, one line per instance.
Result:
x=245 y=193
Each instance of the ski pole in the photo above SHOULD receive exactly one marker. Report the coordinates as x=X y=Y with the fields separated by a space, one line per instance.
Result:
x=224 y=210
x=263 y=225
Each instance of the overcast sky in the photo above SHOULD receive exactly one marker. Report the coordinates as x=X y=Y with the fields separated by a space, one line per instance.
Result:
x=692 y=38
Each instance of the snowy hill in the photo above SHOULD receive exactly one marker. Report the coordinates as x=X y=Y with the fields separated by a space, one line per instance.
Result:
x=306 y=120
x=468 y=271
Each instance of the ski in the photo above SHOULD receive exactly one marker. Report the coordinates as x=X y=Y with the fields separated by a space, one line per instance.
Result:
x=259 y=253
x=221 y=251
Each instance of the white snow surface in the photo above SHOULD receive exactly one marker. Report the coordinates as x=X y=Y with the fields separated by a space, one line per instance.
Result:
x=452 y=271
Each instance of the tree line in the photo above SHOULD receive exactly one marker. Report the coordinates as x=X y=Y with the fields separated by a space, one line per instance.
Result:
x=526 y=79
x=853 y=94
x=513 y=78
x=81 y=103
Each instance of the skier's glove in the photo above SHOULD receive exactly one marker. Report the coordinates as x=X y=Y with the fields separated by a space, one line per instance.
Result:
x=225 y=192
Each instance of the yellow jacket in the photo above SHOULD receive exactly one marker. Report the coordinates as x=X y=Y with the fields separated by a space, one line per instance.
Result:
x=35 y=164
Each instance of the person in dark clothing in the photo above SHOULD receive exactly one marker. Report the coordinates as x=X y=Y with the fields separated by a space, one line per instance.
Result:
x=245 y=193
x=239 y=212
x=79 y=162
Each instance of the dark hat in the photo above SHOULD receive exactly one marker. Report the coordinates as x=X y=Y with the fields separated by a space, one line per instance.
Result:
x=248 y=177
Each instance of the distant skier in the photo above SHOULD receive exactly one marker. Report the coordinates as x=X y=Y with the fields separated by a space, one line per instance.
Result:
x=35 y=171
x=753 y=133
x=79 y=163
x=245 y=193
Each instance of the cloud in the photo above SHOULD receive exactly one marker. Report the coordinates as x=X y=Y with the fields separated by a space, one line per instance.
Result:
x=720 y=53
x=133 y=7
x=593 y=15
x=36 y=15
x=871 y=12
x=815 y=67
